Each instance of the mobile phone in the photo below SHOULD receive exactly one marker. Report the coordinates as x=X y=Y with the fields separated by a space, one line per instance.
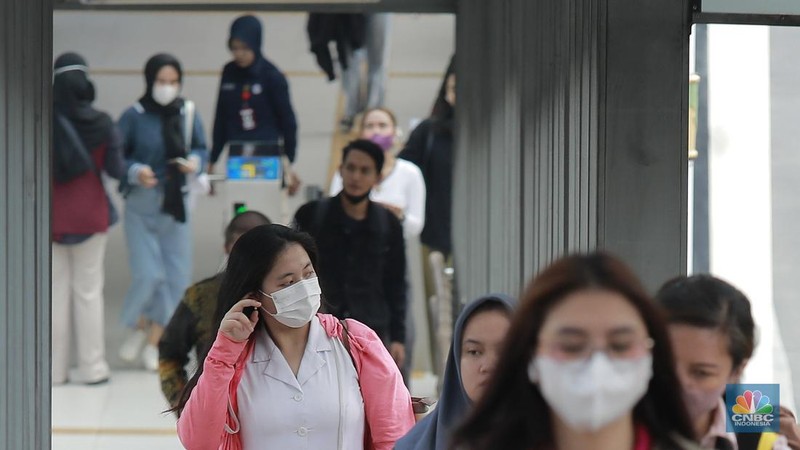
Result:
x=248 y=310
x=182 y=161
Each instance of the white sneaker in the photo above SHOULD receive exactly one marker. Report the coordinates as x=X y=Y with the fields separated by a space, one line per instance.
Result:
x=132 y=347
x=150 y=358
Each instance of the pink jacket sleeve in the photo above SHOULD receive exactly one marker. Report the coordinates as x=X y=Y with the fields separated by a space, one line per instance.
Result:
x=201 y=425
x=387 y=403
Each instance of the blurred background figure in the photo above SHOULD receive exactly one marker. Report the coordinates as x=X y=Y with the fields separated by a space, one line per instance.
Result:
x=430 y=147
x=401 y=190
x=713 y=336
x=158 y=156
x=253 y=103
x=402 y=187
x=375 y=53
x=85 y=144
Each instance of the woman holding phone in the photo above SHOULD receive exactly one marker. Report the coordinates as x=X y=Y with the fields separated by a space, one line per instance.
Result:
x=279 y=375
x=163 y=143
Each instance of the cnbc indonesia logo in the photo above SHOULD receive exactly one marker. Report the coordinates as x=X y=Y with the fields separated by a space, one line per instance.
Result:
x=753 y=409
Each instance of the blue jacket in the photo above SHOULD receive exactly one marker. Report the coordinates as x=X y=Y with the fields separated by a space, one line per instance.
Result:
x=143 y=144
x=270 y=102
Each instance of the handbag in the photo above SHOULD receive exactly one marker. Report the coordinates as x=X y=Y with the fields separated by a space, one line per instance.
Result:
x=71 y=159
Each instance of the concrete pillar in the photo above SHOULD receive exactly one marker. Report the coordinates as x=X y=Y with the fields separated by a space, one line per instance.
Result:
x=25 y=67
x=572 y=136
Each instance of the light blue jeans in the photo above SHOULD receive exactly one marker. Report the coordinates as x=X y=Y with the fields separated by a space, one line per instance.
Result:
x=159 y=255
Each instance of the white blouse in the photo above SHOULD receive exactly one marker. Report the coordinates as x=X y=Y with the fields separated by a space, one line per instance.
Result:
x=403 y=188
x=280 y=411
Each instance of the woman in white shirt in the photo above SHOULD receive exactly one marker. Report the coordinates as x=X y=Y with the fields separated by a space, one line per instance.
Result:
x=402 y=187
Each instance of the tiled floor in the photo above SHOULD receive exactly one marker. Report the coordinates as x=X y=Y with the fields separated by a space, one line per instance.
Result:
x=126 y=414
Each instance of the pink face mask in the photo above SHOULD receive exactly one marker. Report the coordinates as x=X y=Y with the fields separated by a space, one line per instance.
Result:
x=385 y=142
x=699 y=402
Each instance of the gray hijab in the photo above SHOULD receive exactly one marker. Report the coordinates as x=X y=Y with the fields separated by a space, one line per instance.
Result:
x=433 y=432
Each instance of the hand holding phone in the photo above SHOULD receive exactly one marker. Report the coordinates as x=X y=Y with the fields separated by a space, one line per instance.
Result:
x=184 y=165
x=236 y=325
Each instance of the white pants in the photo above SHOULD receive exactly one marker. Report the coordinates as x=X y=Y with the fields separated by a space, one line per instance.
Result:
x=376 y=54
x=78 y=309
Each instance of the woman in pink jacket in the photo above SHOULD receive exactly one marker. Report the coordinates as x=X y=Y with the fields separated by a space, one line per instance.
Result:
x=281 y=376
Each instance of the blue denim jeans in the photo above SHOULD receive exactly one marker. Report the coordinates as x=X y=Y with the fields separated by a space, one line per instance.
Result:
x=159 y=255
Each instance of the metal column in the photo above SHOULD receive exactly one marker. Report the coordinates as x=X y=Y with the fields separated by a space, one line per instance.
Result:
x=25 y=84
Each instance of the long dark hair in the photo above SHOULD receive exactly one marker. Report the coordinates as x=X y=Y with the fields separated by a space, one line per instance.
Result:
x=442 y=110
x=252 y=258
x=707 y=302
x=512 y=414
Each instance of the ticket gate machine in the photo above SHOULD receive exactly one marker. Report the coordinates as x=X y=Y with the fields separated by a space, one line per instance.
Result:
x=254 y=179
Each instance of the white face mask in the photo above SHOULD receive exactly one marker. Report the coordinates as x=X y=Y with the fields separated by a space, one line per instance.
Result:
x=164 y=94
x=297 y=304
x=589 y=395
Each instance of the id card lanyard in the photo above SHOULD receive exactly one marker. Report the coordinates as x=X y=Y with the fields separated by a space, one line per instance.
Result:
x=246 y=113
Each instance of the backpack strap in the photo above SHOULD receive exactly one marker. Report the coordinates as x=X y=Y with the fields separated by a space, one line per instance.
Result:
x=319 y=218
x=383 y=225
x=428 y=150
x=83 y=153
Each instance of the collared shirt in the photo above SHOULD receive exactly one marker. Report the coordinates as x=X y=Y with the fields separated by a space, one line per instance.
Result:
x=320 y=408
x=718 y=430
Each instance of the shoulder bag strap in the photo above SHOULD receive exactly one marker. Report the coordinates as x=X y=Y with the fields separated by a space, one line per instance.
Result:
x=73 y=136
x=188 y=124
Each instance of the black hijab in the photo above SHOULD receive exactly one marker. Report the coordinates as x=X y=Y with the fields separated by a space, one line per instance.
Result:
x=73 y=95
x=172 y=132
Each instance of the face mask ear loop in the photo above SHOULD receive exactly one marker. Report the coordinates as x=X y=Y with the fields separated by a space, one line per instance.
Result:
x=262 y=307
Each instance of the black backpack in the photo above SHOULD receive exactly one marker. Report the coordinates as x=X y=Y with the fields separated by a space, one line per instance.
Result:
x=71 y=159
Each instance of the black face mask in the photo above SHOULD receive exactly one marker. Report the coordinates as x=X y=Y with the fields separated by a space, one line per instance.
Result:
x=355 y=199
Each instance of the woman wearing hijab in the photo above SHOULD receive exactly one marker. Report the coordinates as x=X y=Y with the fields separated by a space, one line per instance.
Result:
x=479 y=334
x=163 y=142
x=253 y=102
x=82 y=215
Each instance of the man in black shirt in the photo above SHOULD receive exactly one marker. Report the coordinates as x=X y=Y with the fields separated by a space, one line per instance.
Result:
x=362 y=263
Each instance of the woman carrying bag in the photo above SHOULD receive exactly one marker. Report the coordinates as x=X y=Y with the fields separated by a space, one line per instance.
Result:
x=85 y=144
x=281 y=376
